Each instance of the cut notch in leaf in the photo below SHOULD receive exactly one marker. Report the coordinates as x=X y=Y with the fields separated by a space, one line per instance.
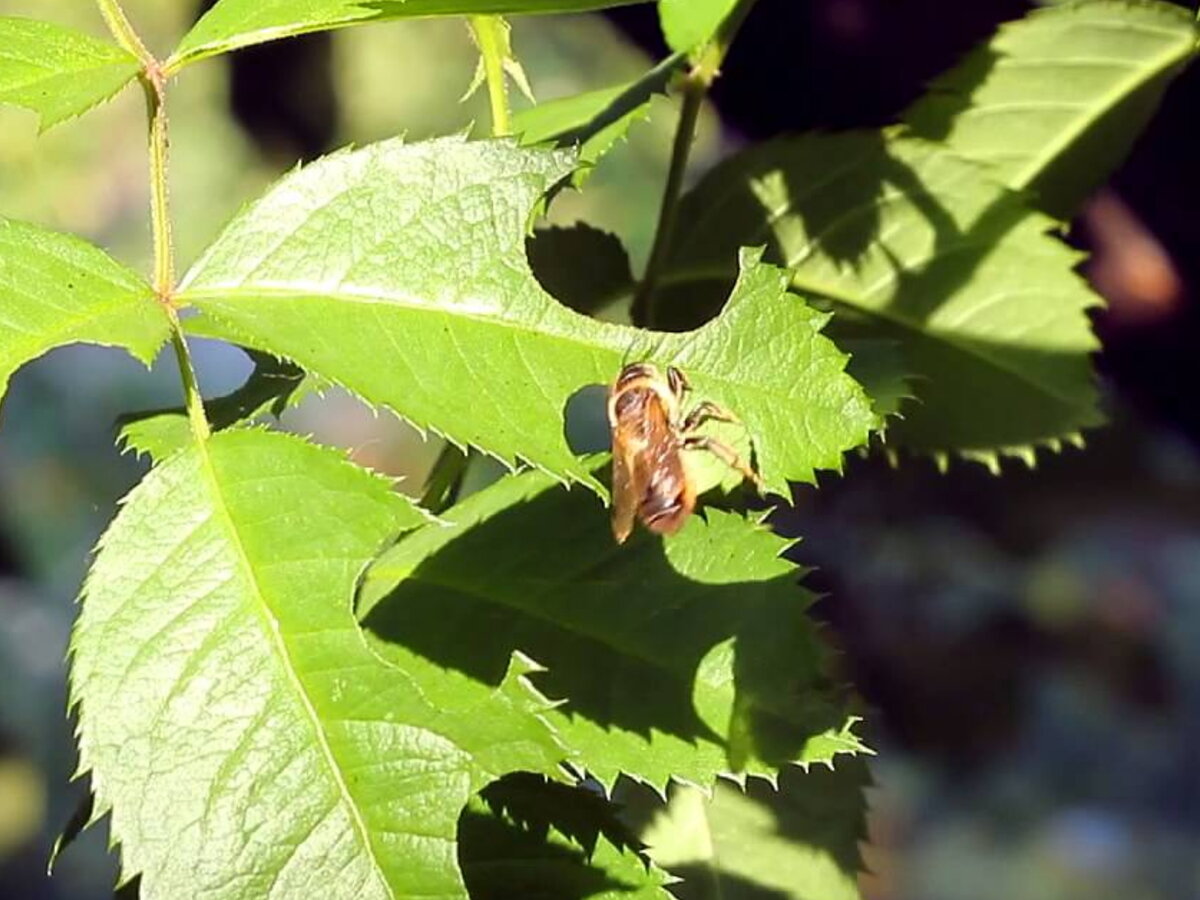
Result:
x=439 y=282
x=56 y=289
x=230 y=711
x=58 y=72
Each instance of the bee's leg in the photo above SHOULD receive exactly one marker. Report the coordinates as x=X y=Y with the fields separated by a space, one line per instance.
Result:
x=725 y=453
x=706 y=412
x=678 y=382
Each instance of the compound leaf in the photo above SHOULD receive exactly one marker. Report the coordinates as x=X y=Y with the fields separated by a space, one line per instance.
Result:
x=399 y=272
x=244 y=738
x=796 y=841
x=682 y=657
x=914 y=245
x=1053 y=101
x=56 y=289
x=239 y=23
x=58 y=72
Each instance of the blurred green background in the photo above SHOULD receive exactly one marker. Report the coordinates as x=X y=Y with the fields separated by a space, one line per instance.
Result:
x=1028 y=643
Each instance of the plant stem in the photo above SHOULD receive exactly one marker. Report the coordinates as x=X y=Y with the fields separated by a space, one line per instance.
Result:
x=160 y=212
x=642 y=311
x=490 y=38
x=194 y=400
x=445 y=479
x=154 y=85
x=705 y=69
x=122 y=30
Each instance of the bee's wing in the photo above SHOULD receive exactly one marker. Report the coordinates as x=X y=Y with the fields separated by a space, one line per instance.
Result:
x=626 y=492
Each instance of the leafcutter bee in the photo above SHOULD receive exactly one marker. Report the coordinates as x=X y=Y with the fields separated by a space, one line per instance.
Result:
x=651 y=478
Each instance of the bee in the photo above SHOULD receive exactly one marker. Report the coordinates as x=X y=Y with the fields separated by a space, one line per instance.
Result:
x=651 y=480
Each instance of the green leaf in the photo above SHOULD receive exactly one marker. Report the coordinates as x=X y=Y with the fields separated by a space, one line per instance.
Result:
x=58 y=72
x=399 y=272
x=912 y=244
x=272 y=387
x=1055 y=100
x=243 y=736
x=594 y=121
x=531 y=837
x=583 y=267
x=239 y=23
x=56 y=290
x=679 y=658
x=797 y=842
x=688 y=24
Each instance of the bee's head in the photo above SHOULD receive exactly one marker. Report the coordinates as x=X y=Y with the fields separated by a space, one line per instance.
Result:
x=637 y=371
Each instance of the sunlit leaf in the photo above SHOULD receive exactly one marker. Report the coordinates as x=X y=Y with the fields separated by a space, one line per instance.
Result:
x=58 y=72
x=239 y=731
x=56 y=289
x=687 y=24
x=797 y=841
x=399 y=272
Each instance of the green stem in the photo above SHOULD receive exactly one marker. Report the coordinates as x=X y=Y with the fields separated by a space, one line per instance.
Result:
x=191 y=388
x=705 y=70
x=122 y=30
x=642 y=311
x=160 y=210
x=154 y=85
x=490 y=38
x=445 y=479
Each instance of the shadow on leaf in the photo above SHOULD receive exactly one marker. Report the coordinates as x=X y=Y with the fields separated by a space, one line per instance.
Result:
x=526 y=837
x=703 y=636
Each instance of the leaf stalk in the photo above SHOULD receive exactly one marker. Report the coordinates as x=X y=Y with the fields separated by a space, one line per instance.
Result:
x=154 y=81
x=489 y=37
x=121 y=28
x=706 y=68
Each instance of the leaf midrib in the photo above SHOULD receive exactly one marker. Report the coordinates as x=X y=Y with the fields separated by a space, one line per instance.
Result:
x=271 y=627
x=499 y=319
